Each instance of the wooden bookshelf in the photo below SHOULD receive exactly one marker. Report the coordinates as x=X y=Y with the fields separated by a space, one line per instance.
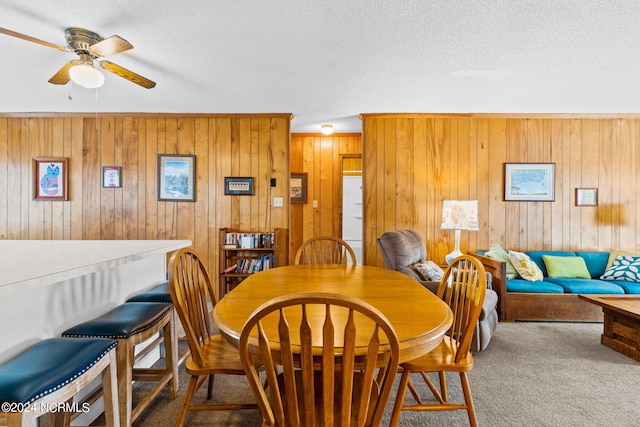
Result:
x=243 y=253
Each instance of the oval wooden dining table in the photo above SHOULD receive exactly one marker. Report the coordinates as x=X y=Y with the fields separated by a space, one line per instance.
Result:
x=419 y=317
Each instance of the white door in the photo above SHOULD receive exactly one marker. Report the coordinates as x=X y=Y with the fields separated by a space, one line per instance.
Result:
x=352 y=214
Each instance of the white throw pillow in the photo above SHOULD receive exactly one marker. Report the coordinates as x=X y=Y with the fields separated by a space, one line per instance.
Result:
x=526 y=268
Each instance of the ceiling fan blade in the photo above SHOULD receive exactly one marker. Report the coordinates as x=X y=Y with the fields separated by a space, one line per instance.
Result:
x=62 y=76
x=111 y=46
x=129 y=75
x=33 y=39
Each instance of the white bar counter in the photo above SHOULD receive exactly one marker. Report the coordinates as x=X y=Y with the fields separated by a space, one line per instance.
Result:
x=47 y=286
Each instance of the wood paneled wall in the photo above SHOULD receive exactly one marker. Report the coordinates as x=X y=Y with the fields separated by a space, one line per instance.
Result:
x=224 y=145
x=412 y=162
x=320 y=157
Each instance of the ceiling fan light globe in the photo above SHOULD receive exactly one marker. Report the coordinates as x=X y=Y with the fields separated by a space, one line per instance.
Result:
x=86 y=76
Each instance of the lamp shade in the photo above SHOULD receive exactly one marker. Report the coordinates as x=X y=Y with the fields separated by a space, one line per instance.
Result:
x=86 y=76
x=459 y=215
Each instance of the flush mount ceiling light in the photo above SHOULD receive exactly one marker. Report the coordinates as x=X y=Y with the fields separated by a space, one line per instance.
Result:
x=326 y=128
x=85 y=75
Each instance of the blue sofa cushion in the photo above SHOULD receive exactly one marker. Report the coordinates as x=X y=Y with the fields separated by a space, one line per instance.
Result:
x=596 y=262
x=536 y=256
x=542 y=286
x=629 y=287
x=585 y=286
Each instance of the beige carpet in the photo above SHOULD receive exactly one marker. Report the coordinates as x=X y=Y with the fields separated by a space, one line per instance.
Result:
x=532 y=374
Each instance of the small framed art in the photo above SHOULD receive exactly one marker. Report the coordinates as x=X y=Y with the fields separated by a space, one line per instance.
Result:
x=529 y=182
x=238 y=186
x=176 y=177
x=50 y=178
x=298 y=188
x=586 y=197
x=111 y=177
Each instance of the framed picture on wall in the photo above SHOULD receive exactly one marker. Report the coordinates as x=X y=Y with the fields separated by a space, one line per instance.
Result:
x=50 y=178
x=586 y=197
x=298 y=187
x=176 y=177
x=111 y=177
x=238 y=186
x=529 y=182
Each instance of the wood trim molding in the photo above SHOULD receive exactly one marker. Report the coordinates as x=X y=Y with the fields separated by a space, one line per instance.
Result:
x=142 y=115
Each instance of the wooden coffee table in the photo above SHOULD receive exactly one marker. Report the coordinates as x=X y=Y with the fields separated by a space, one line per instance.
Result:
x=621 y=322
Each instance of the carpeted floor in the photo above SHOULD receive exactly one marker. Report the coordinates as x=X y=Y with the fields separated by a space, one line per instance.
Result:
x=532 y=374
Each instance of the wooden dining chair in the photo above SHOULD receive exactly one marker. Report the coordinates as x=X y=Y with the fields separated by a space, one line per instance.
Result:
x=193 y=298
x=325 y=250
x=462 y=288
x=320 y=351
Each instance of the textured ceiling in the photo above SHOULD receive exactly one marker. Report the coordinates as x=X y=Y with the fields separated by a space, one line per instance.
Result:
x=330 y=60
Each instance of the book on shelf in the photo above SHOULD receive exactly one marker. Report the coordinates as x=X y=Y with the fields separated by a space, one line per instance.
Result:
x=248 y=240
x=254 y=265
x=230 y=269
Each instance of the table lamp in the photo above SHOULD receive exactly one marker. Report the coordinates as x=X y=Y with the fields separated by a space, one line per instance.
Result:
x=458 y=215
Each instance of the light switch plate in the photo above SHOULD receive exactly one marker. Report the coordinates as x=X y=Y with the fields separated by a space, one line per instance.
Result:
x=278 y=201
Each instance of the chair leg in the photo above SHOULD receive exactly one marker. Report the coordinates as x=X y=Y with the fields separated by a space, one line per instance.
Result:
x=397 y=407
x=210 y=386
x=110 y=391
x=436 y=393
x=443 y=385
x=414 y=391
x=124 y=355
x=468 y=400
x=171 y=354
x=191 y=389
x=17 y=419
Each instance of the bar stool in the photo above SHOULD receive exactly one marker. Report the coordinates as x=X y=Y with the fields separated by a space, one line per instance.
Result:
x=160 y=294
x=132 y=324
x=45 y=377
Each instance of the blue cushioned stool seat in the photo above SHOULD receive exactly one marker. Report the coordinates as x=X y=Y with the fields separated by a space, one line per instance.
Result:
x=122 y=322
x=49 y=368
x=132 y=324
x=159 y=293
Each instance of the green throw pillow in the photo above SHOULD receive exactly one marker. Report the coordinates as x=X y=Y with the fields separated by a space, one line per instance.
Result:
x=496 y=252
x=566 y=266
x=626 y=268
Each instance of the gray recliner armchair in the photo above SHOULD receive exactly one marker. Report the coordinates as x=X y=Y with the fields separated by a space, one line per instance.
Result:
x=401 y=250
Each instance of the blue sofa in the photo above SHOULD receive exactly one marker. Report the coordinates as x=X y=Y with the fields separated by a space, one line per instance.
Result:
x=556 y=298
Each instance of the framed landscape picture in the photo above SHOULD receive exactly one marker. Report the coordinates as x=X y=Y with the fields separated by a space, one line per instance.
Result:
x=176 y=177
x=298 y=187
x=50 y=179
x=529 y=182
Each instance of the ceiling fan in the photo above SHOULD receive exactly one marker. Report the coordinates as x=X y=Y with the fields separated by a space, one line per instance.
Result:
x=89 y=47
